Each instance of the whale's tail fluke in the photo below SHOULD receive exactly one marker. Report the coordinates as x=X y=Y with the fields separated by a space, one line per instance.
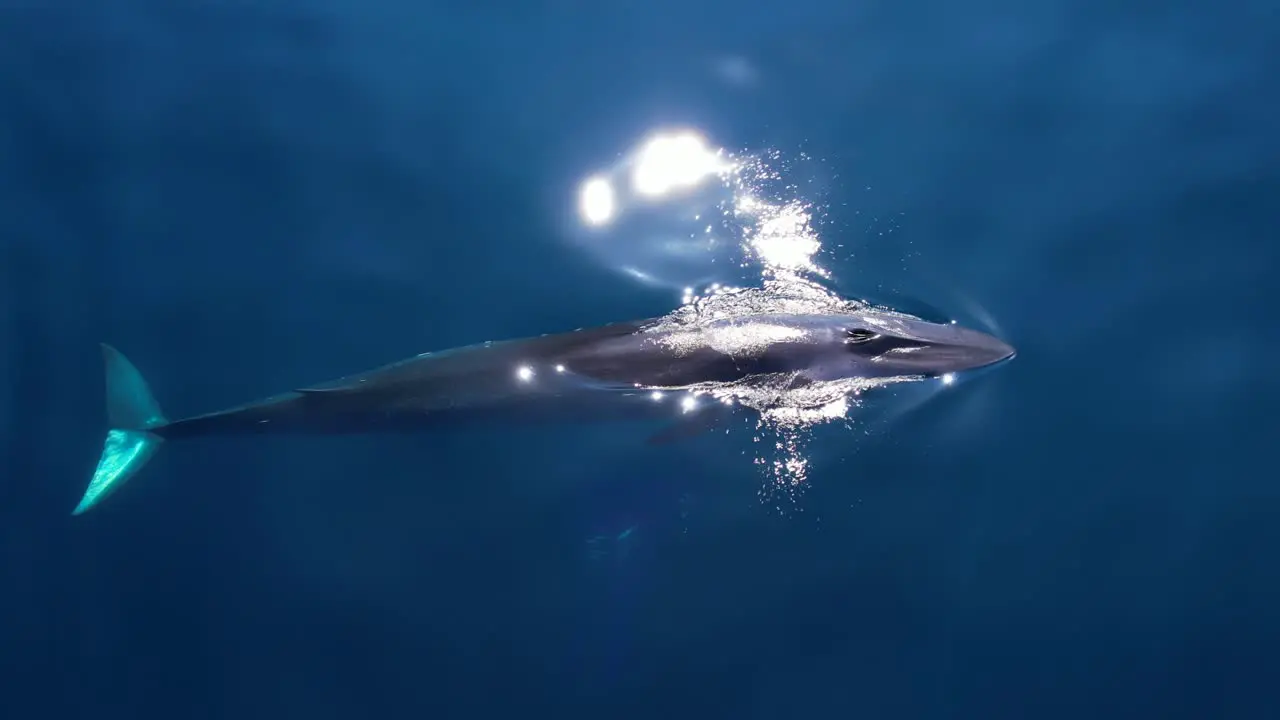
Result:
x=132 y=413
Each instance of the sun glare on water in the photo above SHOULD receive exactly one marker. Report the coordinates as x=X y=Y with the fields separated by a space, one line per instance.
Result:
x=675 y=168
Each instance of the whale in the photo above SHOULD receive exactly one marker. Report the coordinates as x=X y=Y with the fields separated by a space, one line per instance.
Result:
x=643 y=369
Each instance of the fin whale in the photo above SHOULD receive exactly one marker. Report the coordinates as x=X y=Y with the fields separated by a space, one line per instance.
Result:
x=613 y=371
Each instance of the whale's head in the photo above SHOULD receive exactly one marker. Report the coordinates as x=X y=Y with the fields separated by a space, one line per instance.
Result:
x=874 y=343
x=861 y=342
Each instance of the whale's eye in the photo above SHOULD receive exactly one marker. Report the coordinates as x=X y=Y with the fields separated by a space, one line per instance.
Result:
x=859 y=335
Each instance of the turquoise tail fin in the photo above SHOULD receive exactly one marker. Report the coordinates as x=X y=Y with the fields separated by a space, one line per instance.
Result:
x=132 y=413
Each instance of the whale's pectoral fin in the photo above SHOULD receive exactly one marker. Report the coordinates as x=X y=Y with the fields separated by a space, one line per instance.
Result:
x=690 y=426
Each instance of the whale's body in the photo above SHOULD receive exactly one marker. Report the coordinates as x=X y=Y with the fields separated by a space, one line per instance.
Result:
x=616 y=371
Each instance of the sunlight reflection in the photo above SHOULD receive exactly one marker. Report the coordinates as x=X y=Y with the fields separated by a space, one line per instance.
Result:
x=671 y=162
x=657 y=214
x=596 y=201
x=677 y=204
x=667 y=164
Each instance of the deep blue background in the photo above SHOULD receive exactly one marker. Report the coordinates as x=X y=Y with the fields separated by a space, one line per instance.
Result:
x=248 y=196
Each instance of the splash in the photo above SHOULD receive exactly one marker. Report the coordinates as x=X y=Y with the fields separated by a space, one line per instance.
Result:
x=776 y=224
x=676 y=206
x=787 y=405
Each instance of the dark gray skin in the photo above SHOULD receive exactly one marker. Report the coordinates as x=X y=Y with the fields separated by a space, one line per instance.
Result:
x=611 y=372
x=570 y=375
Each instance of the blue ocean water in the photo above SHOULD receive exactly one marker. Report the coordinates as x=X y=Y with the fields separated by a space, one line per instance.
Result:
x=246 y=197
